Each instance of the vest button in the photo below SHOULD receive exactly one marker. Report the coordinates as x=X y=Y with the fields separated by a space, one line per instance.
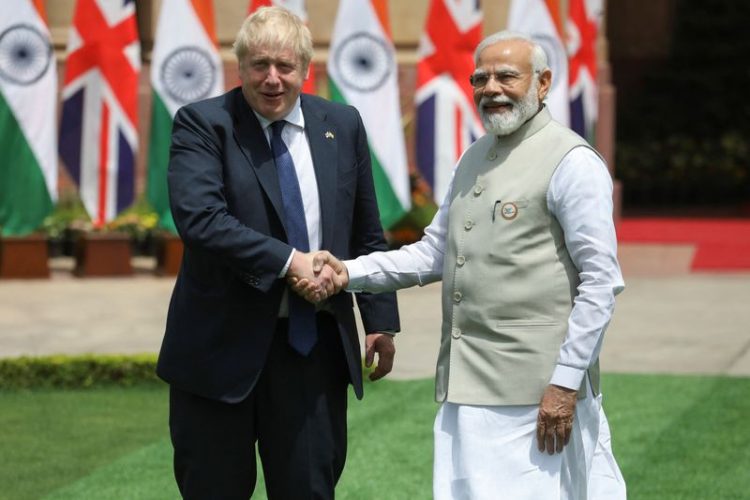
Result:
x=457 y=297
x=455 y=333
x=468 y=225
x=478 y=190
x=491 y=155
x=460 y=260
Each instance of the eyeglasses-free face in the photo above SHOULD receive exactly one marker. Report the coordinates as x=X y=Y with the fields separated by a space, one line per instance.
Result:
x=272 y=80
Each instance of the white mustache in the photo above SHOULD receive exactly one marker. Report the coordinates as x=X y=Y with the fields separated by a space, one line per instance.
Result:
x=498 y=99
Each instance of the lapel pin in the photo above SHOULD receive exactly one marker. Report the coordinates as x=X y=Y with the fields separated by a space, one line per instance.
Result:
x=329 y=134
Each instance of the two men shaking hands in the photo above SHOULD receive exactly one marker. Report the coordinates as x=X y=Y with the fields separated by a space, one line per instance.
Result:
x=315 y=276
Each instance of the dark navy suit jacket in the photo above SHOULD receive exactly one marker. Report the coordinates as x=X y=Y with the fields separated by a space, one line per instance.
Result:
x=226 y=203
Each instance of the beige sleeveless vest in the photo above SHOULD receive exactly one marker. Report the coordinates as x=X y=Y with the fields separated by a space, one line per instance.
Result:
x=508 y=281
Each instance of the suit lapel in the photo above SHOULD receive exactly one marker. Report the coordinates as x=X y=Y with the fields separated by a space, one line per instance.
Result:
x=252 y=141
x=321 y=135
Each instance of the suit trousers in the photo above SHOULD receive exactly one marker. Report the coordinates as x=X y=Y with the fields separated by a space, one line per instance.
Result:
x=296 y=413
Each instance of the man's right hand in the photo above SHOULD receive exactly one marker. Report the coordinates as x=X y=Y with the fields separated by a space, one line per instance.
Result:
x=325 y=263
x=330 y=277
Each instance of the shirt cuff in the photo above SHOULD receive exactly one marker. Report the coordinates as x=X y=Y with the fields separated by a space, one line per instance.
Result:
x=357 y=276
x=288 y=263
x=567 y=376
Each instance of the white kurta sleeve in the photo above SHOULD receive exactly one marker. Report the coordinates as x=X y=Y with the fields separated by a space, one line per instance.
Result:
x=420 y=263
x=580 y=197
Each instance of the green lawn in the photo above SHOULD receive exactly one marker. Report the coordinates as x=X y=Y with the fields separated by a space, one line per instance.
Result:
x=674 y=437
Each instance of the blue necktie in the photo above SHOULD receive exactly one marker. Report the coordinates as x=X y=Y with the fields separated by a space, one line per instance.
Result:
x=303 y=332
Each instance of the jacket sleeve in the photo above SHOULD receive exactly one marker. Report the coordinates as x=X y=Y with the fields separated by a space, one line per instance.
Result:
x=199 y=206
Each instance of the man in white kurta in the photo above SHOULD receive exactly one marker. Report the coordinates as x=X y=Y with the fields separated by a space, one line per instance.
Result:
x=524 y=238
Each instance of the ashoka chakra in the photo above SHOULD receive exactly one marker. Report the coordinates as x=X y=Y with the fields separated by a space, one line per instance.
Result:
x=25 y=54
x=188 y=74
x=363 y=61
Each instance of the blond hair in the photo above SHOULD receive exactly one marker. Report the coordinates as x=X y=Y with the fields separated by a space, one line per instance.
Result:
x=274 y=27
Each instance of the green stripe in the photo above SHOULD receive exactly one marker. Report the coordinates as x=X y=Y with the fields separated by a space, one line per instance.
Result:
x=157 y=192
x=24 y=199
x=336 y=95
x=391 y=210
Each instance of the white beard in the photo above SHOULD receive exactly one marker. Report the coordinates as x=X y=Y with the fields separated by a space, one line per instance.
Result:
x=507 y=122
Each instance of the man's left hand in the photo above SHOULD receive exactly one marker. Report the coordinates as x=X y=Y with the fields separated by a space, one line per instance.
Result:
x=554 y=423
x=380 y=343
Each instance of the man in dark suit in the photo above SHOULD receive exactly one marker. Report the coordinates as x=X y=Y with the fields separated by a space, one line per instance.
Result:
x=257 y=178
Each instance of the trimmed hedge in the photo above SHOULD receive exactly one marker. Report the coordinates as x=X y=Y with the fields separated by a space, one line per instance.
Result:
x=77 y=372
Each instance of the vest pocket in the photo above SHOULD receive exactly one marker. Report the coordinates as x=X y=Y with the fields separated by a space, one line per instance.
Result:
x=524 y=323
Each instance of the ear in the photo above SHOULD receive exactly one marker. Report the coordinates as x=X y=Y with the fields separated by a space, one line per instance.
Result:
x=545 y=81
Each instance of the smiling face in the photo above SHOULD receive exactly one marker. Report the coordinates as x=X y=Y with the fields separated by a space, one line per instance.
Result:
x=507 y=91
x=272 y=80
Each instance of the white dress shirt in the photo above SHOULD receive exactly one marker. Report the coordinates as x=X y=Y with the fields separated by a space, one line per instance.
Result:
x=580 y=198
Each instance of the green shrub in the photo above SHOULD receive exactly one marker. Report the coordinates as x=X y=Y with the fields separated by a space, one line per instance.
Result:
x=683 y=170
x=76 y=372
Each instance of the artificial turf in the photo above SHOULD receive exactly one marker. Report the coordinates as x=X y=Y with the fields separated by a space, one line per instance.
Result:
x=675 y=437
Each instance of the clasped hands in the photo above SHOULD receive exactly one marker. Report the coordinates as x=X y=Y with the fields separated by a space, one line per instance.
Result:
x=316 y=276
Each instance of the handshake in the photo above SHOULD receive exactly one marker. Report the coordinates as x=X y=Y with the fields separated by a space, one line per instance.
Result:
x=316 y=276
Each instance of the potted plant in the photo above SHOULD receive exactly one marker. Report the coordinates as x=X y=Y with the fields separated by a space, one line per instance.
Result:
x=102 y=253
x=168 y=248
x=23 y=257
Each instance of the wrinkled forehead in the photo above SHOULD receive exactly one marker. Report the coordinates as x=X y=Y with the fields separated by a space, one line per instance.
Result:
x=273 y=52
x=510 y=55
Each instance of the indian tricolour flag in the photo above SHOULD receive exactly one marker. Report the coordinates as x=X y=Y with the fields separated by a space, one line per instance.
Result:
x=363 y=72
x=540 y=20
x=28 y=150
x=185 y=67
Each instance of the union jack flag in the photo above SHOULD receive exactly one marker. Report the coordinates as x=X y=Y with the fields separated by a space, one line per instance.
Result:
x=584 y=17
x=98 y=128
x=447 y=120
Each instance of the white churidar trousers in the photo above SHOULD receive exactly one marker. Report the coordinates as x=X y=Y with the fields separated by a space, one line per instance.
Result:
x=490 y=453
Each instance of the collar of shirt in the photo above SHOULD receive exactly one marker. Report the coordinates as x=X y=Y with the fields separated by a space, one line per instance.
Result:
x=294 y=117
